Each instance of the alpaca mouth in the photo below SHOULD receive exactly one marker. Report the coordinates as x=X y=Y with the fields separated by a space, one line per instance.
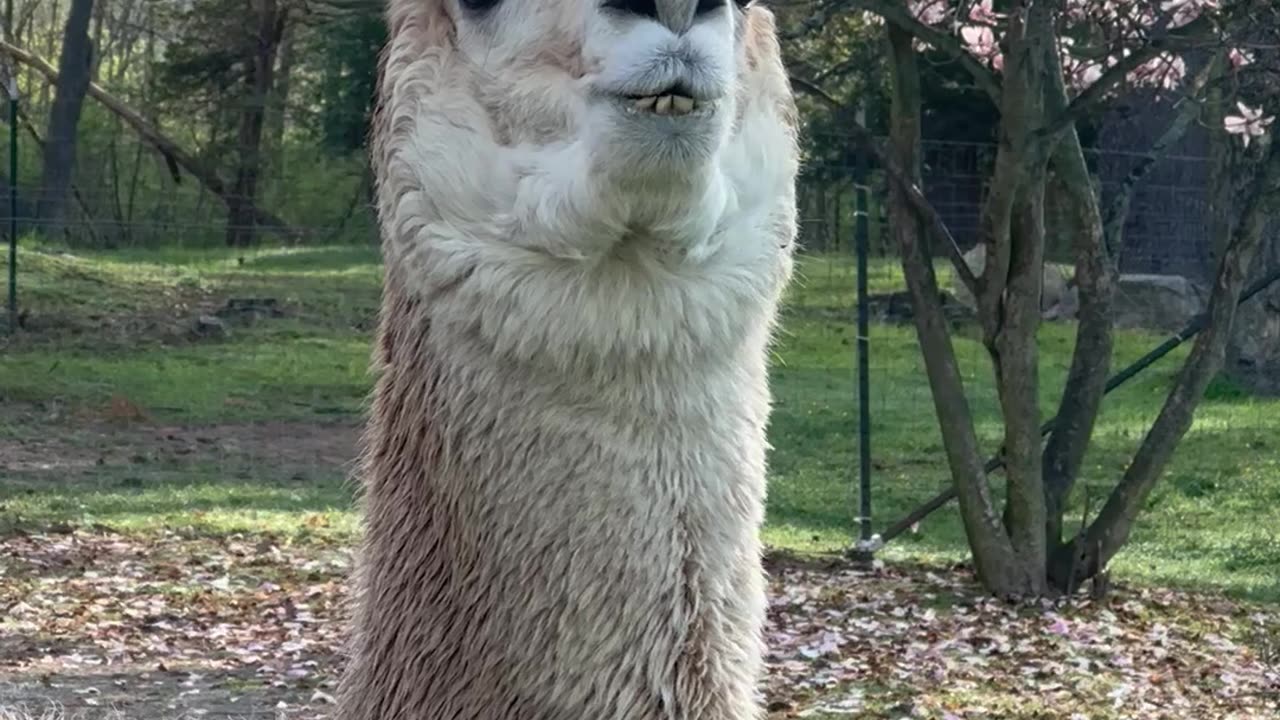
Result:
x=676 y=100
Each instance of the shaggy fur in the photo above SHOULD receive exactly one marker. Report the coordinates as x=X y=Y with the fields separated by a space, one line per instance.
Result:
x=564 y=470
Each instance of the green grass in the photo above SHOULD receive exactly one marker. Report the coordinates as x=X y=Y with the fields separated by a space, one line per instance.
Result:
x=1211 y=522
x=311 y=362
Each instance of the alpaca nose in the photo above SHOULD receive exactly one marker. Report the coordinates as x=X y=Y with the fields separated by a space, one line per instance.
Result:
x=677 y=15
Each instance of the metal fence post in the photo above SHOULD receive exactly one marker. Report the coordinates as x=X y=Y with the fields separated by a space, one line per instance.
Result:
x=13 y=203
x=867 y=542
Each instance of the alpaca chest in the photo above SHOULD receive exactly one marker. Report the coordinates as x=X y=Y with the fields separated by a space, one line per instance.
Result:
x=654 y=450
x=546 y=525
x=568 y=528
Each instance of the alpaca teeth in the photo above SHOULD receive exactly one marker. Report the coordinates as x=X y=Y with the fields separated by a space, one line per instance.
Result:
x=666 y=104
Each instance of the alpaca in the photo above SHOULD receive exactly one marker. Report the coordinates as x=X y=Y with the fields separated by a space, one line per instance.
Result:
x=588 y=218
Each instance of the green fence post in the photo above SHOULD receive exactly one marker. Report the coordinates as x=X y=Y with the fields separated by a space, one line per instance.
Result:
x=13 y=203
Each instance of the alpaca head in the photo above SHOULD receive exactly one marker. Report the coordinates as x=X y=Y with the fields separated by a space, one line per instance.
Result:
x=655 y=81
x=525 y=133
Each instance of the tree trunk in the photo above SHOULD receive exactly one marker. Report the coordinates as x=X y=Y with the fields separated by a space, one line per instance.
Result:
x=822 y=217
x=51 y=47
x=1222 y=195
x=1109 y=532
x=99 y=27
x=278 y=117
x=74 y=68
x=244 y=190
x=1061 y=224
x=1018 y=381
x=1013 y=231
x=1096 y=276
x=41 y=146
x=993 y=554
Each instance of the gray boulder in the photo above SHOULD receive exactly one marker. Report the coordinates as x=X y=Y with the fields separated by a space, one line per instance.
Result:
x=1058 y=298
x=1157 y=302
x=1253 y=356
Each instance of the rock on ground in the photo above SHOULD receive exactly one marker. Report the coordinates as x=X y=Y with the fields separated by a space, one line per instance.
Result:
x=1058 y=300
x=1157 y=302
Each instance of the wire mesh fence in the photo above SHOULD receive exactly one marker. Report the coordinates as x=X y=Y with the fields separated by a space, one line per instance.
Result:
x=144 y=257
x=162 y=380
x=1167 y=265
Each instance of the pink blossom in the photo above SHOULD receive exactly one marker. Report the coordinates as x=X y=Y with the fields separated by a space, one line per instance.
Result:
x=1186 y=11
x=1096 y=36
x=929 y=12
x=1248 y=124
x=980 y=37
x=1239 y=58
x=981 y=40
x=982 y=12
x=1164 y=71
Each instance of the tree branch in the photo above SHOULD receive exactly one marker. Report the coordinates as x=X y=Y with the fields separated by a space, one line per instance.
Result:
x=897 y=14
x=170 y=150
x=1111 y=529
x=1098 y=235
x=1118 y=210
x=920 y=205
x=993 y=552
x=1184 y=37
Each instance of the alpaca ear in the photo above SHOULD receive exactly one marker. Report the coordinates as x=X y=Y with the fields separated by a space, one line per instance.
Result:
x=418 y=32
x=417 y=26
x=767 y=73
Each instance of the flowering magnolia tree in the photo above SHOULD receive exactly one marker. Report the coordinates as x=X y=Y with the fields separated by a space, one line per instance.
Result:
x=1045 y=65
x=1112 y=39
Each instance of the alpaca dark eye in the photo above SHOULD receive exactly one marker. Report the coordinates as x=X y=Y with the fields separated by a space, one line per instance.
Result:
x=479 y=6
x=706 y=6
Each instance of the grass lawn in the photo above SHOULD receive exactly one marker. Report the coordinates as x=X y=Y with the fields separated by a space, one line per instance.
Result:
x=116 y=419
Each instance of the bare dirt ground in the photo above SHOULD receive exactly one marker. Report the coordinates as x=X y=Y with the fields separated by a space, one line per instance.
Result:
x=86 y=443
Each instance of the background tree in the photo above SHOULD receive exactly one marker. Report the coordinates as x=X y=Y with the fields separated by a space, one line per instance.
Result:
x=75 y=65
x=346 y=49
x=158 y=154
x=1044 y=67
x=227 y=56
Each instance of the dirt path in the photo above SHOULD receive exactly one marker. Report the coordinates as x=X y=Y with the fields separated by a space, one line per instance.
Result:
x=79 y=446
